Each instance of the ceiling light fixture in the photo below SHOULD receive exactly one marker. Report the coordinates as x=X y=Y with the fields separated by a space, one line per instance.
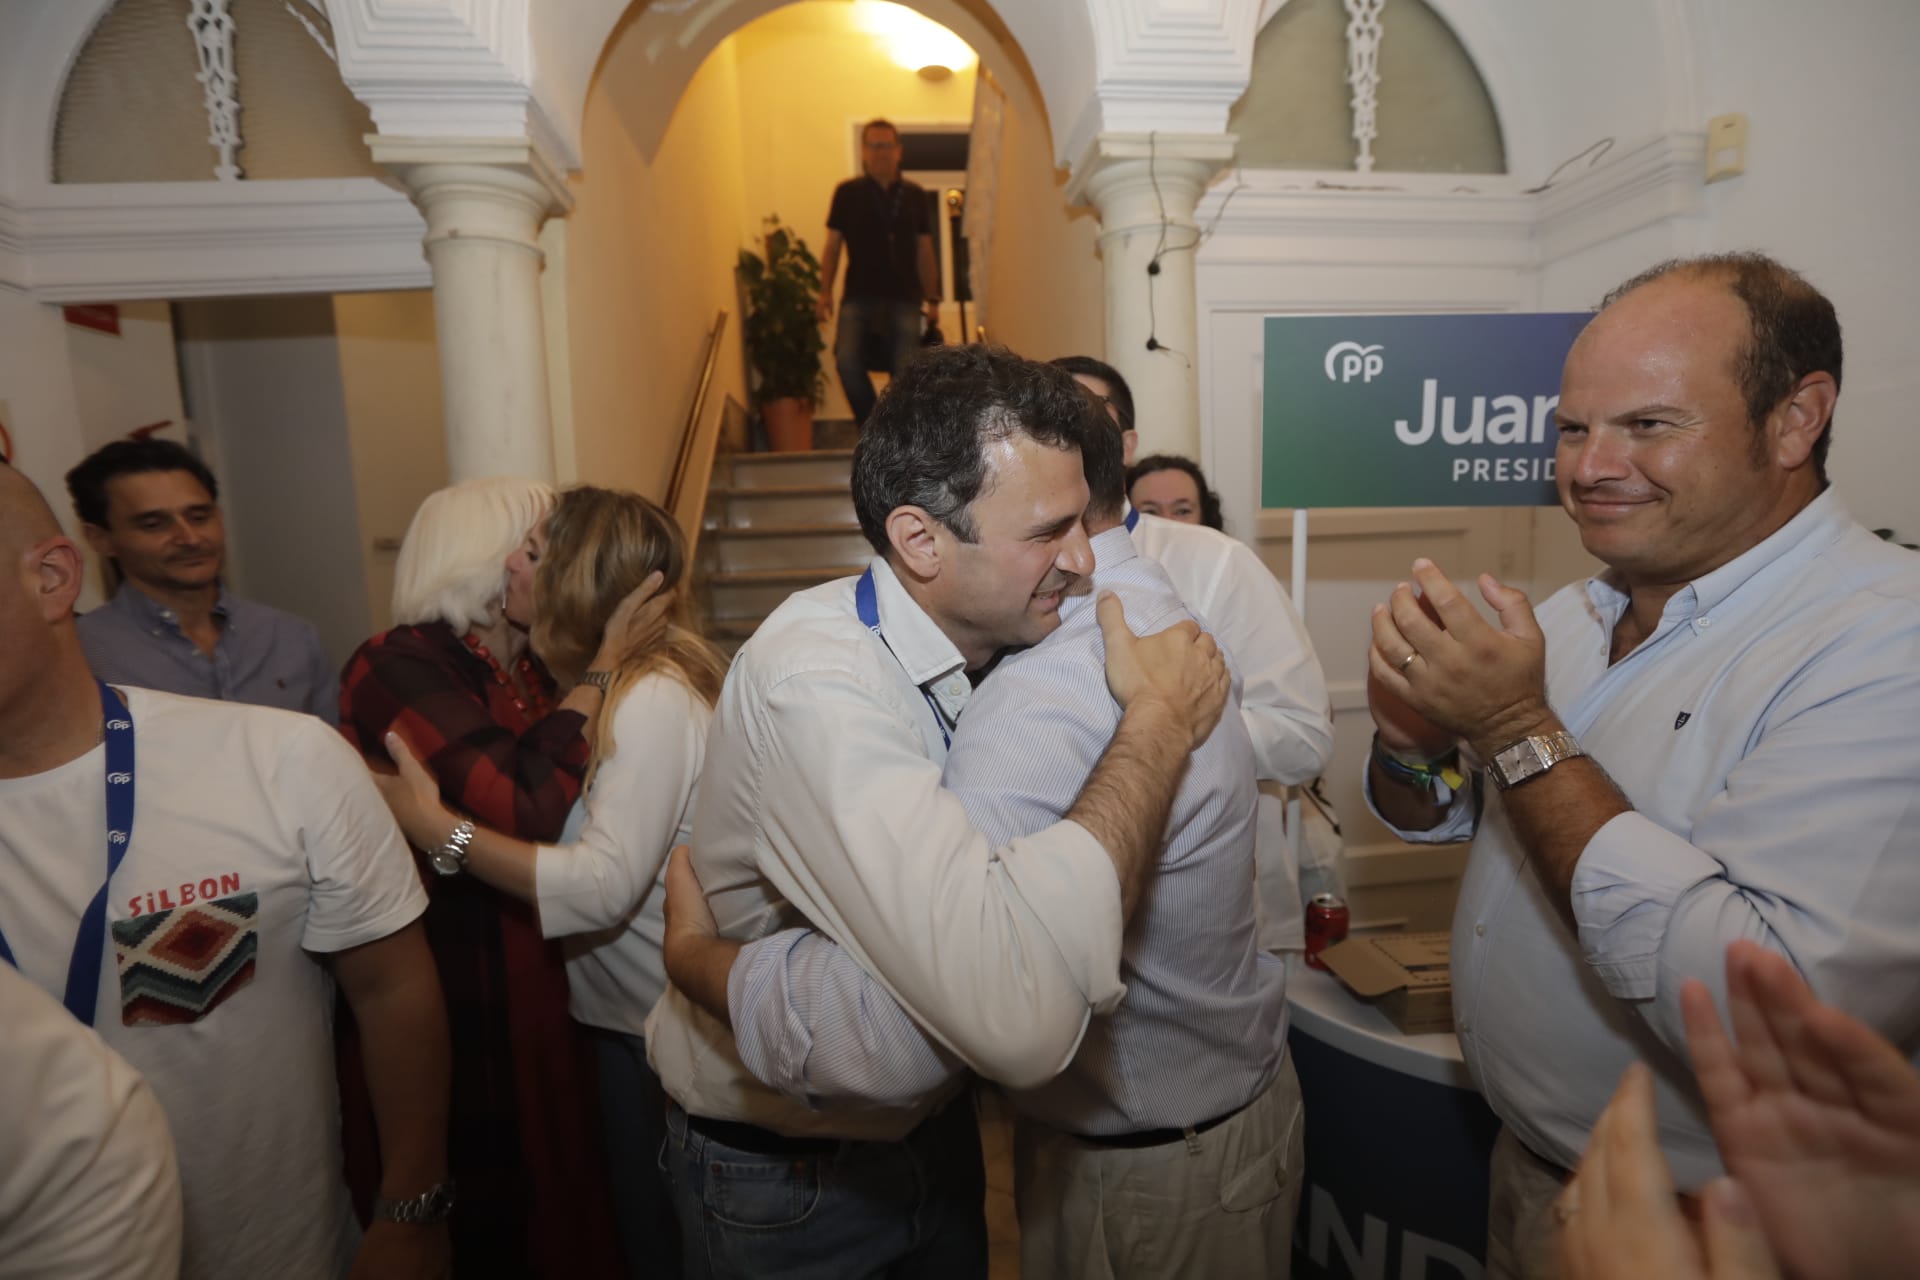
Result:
x=912 y=40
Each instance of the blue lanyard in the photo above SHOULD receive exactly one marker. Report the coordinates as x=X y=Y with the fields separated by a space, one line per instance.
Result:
x=83 y=968
x=1133 y=518
x=867 y=604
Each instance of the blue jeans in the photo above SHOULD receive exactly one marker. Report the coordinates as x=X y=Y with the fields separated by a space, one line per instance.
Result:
x=633 y=1107
x=859 y=1210
x=896 y=324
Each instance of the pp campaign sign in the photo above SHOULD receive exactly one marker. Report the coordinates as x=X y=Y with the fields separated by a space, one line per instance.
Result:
x=1413 y=411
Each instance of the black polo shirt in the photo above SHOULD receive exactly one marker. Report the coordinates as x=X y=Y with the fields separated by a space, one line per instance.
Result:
x=881 y=227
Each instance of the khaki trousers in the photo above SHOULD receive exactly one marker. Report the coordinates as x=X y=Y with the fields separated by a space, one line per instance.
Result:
x=1220 y=1204
x=1523 y=1236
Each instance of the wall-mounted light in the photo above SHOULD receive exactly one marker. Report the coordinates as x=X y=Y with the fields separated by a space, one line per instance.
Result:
x=912 y=40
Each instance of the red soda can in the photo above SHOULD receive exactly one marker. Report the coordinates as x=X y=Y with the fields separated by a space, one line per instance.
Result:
x=1327 y=920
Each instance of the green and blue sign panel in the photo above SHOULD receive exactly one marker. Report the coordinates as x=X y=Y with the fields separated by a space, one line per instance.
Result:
x=1413 y=411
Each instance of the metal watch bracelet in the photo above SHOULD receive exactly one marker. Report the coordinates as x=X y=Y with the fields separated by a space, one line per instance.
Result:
x=430 y=1206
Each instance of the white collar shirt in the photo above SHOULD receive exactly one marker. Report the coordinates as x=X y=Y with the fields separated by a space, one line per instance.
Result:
x=821 y=801
x=1765 y=734
x=1283 y=697
x=811 y=1022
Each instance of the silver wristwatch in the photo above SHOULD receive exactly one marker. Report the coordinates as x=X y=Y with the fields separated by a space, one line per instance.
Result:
x=598 y=679
x=1531 y=757
x=425 y=1209
x=450 y=858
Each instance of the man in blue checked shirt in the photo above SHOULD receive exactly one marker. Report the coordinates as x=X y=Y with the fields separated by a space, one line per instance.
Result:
x=152 y=509
x=1170 y=1144
x=1712 y=740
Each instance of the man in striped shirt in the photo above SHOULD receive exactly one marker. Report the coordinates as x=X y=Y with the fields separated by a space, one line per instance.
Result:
x=1170 y=1145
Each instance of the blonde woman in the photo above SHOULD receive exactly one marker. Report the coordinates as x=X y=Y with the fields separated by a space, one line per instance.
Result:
x=598 y=887
x=502 y=740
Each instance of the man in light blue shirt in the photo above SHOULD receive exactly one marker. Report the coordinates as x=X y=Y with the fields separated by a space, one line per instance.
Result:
x=1170 y=1144
x=153 y=509
x=1714 y=739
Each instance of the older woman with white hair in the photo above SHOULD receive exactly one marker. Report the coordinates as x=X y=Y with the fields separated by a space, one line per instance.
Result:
x=455 y=678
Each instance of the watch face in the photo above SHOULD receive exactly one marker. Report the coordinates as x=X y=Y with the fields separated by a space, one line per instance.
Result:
x=444 y=861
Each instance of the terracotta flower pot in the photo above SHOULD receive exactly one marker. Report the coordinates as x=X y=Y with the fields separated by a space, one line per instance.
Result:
x=789 y=424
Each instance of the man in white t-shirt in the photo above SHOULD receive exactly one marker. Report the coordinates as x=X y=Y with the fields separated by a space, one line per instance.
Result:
x=87 y=1180
x=241 y=864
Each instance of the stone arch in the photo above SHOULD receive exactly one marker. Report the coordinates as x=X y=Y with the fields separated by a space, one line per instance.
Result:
x=44 y=38
x=1053 y=50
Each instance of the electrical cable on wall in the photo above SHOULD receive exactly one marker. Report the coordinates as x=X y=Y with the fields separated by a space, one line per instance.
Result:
x=1595 y=149
x=1159 y=252
x=1161 y=248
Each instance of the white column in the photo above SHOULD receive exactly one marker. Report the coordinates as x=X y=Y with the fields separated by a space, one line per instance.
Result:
x=1145 y=187
x=484 y=203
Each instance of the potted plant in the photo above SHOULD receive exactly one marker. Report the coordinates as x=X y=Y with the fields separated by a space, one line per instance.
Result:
x=782 y=334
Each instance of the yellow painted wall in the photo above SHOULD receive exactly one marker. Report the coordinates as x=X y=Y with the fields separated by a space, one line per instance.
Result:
x=766 y=126
x=808 y=77
x=390 y=383
x=1046 y=291
x=648 y=259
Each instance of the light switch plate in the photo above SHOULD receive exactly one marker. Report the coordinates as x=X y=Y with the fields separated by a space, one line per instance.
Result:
x=1726 y=146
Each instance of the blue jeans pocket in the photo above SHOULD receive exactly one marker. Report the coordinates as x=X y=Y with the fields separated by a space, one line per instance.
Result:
x=762 y=1197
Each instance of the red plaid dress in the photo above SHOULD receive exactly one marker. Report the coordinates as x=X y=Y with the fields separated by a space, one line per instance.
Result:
x=523 y=1134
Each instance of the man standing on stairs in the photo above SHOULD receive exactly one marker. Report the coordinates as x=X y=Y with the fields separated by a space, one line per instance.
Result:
x=885 y=225
x=821 y=801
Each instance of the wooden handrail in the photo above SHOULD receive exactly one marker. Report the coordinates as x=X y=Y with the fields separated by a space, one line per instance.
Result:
x=690 y=435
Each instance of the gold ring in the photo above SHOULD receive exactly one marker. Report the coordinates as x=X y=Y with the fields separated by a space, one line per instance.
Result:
x=1406 y=662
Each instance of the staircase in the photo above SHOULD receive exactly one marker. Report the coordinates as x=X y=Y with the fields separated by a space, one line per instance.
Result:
x=776 y=523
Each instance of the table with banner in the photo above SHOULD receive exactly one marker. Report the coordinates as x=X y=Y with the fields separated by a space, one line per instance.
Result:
x=1398 y=411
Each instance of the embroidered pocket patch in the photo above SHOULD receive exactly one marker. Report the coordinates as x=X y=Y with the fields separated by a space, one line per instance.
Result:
x=179 y=965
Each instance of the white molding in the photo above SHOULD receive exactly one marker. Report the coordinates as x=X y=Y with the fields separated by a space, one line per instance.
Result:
x=1173 y=32
x=13 y=243
x=1179 y=151
x=1172 y=65
x=99 y=242
x=1338 y=217
x=512 y=154
x=31 y=90
x=478 y=41
x=1660 y=178
x=447 y=68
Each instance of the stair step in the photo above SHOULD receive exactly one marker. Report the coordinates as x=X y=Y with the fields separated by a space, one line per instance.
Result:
x=785 y=546
x=797 y=529
x=781 y=505
x=810 y=467
x=779 y=491
x=748 y=595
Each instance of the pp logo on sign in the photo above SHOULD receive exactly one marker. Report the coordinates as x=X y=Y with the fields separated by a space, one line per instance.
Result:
x=1348 y=360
